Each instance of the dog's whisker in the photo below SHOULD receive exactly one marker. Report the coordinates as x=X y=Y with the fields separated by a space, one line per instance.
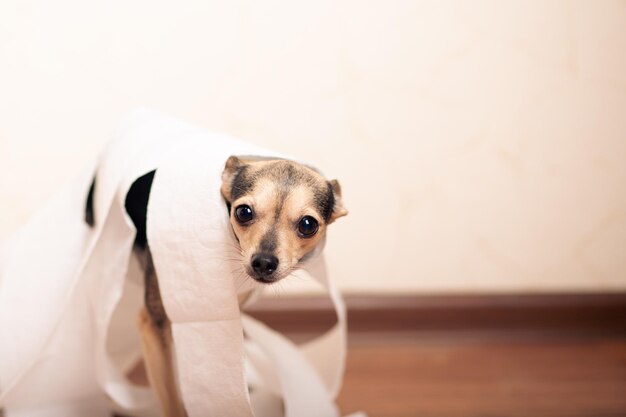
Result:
x=240 y=285
x=233 y=259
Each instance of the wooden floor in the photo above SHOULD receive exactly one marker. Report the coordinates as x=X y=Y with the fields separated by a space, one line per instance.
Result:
x=519 y=356
x=457 y=375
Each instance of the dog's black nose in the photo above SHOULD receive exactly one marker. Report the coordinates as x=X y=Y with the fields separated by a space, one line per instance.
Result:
x=264 y=264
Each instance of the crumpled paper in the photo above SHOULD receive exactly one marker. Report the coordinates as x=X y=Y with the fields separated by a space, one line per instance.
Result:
x=69 y=294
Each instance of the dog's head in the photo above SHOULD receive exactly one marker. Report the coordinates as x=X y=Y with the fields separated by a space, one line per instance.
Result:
x=279 y=211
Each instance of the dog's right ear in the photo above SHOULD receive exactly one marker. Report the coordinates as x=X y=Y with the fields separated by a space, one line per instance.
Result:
x=233 y=166
x=338 y=209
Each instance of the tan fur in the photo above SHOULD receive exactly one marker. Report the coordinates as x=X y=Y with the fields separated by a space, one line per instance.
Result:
x=291 y=247
x=157 y=348
x=265 y=200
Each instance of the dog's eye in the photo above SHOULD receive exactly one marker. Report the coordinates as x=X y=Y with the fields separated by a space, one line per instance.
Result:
x=308 y=226
x=244 y=213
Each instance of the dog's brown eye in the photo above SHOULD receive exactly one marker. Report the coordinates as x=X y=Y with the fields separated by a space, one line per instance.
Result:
x=308 y=226
x=244 y=213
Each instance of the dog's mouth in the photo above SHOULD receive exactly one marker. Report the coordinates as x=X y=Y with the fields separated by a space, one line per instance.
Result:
x=264 y=279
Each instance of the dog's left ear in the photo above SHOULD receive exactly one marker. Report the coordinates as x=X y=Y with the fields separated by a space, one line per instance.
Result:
x=231 y=169
x=338 y=208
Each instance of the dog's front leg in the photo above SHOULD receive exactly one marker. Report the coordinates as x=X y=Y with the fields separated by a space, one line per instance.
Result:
x=156 y=339
x=155 y=330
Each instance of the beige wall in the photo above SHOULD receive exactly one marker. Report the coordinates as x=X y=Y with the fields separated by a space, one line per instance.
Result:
x=481 y=145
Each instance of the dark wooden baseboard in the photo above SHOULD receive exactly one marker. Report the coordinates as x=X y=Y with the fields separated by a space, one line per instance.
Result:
x=585 y=314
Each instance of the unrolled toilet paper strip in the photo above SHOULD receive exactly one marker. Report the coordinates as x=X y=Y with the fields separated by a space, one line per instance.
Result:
x=187 y=225
x=65 y=303
x=196 y=279
x=325 y=354
x=311 y=400
x=50 y=304
x=144 y=142
x=198 y=290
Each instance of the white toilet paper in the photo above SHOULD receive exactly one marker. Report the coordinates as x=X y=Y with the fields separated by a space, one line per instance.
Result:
x=62 y=284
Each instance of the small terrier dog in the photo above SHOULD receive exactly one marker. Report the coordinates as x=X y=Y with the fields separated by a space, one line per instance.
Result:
x=279 y=211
